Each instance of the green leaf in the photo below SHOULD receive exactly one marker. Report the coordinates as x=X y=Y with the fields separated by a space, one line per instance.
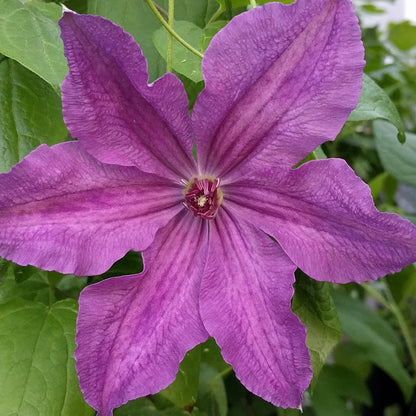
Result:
x=192 y=89
x=131 y=263
x=142 y=406
x=233 y=3
x=210 y=31
x=197 y=12
x=351 y=356
x=183 y=391
x=411 y=218
x=29 y=33
x=145 y=407
x=335 y=385
x=183 y=60
x=211 y=355
x=26 y=283
x=398 y=159
x=377 y=184
x=79 y=6
x=371 y=8
x=37 y=368
x=375 y=104
x=403 y=35
x=30 y=283
x=403 y=287
x=292 y=412
x=375 y=338
x=212 y=397
x=313 y=304
x=30 y=112
x=137 y=19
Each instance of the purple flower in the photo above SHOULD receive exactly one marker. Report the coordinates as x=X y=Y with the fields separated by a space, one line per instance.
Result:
x=279 y=81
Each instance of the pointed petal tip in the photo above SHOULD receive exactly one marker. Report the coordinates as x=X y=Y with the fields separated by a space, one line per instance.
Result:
x=66 y=13
x=245 y=306
x=66 y=9
x=310 y=72
x=346 y=240
x=107 y=66
x=121 y=352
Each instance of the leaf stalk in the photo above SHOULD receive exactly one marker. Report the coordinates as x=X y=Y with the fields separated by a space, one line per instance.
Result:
x=165 y=24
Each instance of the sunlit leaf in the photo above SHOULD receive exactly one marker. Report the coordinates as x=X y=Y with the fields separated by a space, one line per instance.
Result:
x=375 y=104
x=37 y=368
x=29 y=33
x=371 y=8
x=183 y=61
x=397 y=158
x=197 y=12
x=137 y=18
x=30 y=113
x=403 y=35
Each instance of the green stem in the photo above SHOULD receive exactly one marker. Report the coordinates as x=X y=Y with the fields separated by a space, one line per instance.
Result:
x=172 y=32
x=403 y=326
x=170 y=37
x=375 y=294
x=162 y=11
x=222 y=374
x=392 y=306
x=216 y=15
x=253 y=4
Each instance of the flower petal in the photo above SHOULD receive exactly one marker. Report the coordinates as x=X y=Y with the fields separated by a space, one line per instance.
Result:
x=61 y=209
x=280 y=80
x=245 y=305
x=324 y=218
x=133 y=331
x=110 y=108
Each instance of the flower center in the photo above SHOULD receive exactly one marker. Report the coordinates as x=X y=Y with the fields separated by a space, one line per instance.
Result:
x=203 y=197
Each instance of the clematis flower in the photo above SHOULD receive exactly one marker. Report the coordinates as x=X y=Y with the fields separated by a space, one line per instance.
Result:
x=279 y=81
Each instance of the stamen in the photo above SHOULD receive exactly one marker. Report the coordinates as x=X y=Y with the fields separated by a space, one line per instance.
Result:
x=198 y=184
x=203 y=197
x=215 y=184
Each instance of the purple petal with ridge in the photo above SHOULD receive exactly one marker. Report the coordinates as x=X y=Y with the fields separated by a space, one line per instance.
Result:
x=110 y=108
x=280 y=80
x=61 y=209
x=245 y=305
x=133 y=331
x=323 y=216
